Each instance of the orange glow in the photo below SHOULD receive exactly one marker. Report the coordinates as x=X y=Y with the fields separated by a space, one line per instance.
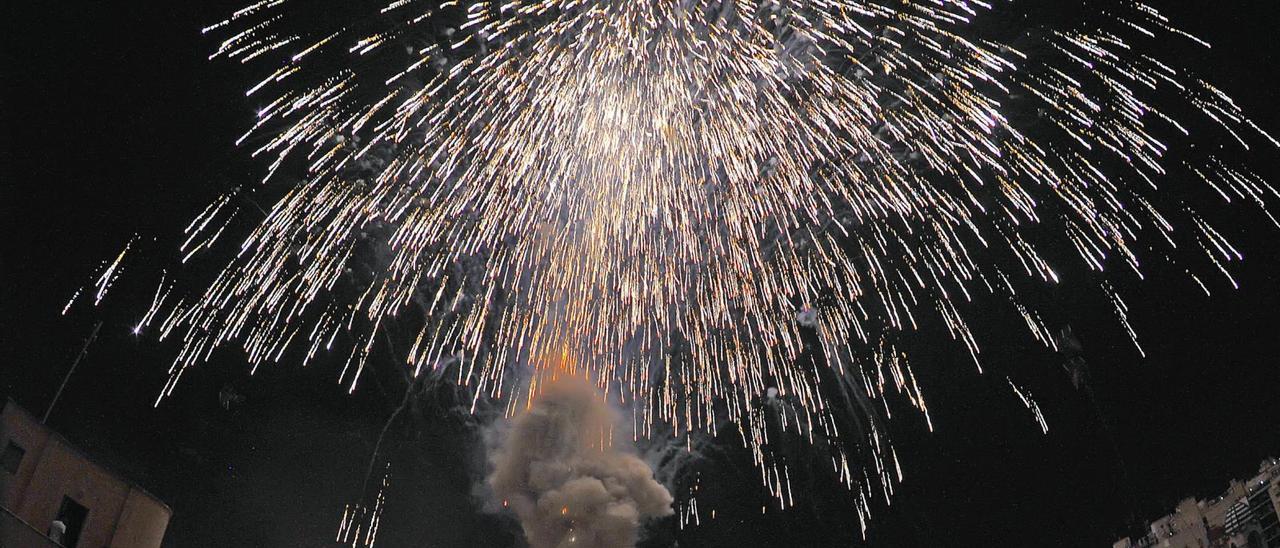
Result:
x=552 y=367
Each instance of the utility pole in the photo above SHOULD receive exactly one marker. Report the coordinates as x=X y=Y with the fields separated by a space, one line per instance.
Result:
x=84 y=350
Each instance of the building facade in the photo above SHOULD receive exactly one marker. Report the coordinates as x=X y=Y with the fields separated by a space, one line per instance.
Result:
x=1247 y=515
x=52 y=494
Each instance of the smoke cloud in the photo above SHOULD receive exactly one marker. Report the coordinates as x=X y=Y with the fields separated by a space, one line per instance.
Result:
x=570 y=474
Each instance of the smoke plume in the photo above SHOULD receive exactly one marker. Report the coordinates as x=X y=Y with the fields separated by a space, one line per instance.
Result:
x=570 y=475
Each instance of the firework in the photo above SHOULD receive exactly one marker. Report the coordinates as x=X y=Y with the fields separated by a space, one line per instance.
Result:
x=665 y=196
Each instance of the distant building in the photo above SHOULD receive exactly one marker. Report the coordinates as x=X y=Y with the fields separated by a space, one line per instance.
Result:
x=1247 y=515
x=1256 y=517
x=53 y=495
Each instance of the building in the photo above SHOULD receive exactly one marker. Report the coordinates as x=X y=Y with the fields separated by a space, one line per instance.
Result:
x=49 y=490
x=1247 y=515
x=1255 y=518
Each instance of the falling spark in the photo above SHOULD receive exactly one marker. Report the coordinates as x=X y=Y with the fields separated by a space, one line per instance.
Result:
x=662 y=190
x=359 y=525
x=1025 y=397
x=107 y=274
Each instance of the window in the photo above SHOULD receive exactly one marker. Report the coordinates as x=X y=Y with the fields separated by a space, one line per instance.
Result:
x=71 y=516
x=12 y=457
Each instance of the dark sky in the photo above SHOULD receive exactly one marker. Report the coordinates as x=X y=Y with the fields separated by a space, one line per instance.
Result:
x=115 y=124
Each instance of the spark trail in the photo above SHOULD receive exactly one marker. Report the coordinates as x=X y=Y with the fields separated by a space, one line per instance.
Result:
x=657 y=188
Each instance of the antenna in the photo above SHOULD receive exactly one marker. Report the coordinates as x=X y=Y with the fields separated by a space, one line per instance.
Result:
x=83 y=350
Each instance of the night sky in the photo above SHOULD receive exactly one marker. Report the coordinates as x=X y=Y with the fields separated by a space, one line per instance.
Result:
x=115 y=124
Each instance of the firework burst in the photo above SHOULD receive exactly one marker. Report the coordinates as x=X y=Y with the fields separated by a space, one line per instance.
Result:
x=667 y=196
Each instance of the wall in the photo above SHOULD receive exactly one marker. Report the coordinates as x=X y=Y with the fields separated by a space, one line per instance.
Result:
x=142 y=523
x=22 y=428
x=121 y=515
x=17 y=533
